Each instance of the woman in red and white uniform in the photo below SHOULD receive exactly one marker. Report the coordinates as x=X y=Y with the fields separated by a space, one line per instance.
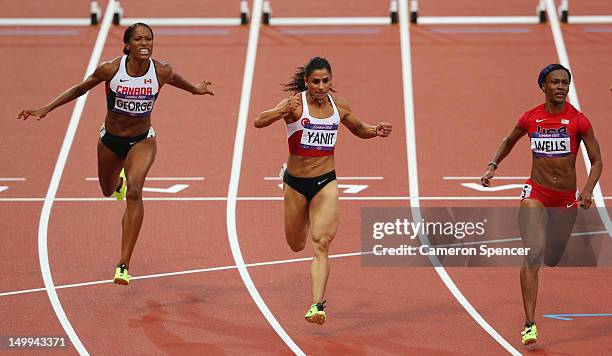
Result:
x=312 y=115
x=127 y=145
x=549 y=199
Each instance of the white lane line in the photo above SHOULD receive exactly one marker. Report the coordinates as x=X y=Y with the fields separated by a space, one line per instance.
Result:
x=258 y=264
x=338 y=178
x=330 y=31
x=478 y=20
x=29 y=32
x=159 y=178
x=479 y=30
x=12 y=179
x=495 y=188
x=328 y=21
x=43 y=255
x=370 y=198
x=478 y=178
x=183 y=21
x=411 y=148
x=573 y=98
x=398 y=198
x=16 y=21
x=232 y=194
x=586 y=19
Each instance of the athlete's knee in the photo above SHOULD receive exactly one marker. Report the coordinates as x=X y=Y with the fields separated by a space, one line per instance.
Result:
x=107 y=189
x=296 y=244
x=553 y=258
x=534 y=258
x=322 y=242
x=134 y=193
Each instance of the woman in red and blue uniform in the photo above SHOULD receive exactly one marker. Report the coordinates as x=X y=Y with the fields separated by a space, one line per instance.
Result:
x=550 y=198
x=312 y=115
x=127 y=144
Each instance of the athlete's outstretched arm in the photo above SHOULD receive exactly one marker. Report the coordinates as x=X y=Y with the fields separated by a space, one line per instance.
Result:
x=101 y=74
x=201 y=88
x=503 y=150
x=168 y=76
x=287 y=108
x=592 y=147
x=358 y=127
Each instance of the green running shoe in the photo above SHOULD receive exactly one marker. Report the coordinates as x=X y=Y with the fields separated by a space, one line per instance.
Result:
x=121 y=275
x=120 y=193
x=530 y=334
x=316 y=314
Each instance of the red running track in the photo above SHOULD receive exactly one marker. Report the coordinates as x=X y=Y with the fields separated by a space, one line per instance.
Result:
x=485 y=80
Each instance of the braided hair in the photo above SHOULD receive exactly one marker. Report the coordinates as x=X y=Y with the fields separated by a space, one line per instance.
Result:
x=129 y=31
x=297 y=83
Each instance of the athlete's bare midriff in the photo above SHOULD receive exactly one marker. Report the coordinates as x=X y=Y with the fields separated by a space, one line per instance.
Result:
x=125 y=126
x=558 y=173
x=305 y=167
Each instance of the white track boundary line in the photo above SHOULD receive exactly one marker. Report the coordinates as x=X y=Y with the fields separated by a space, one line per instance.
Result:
x=605 y=19
x=328 y=21
x=43 y=255
x=259 y=264
x=414 y=178
x=478 y=20
x=95 y=179
x=478 y=178
x=338 y=178
x=232 y=194
x=45 y=21
x=399 y=198
x=573 y=97
x=179 y=273
x=182 y=21
x=365 y=198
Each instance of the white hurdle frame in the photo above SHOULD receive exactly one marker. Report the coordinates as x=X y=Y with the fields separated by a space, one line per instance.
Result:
x=581 y=19
x=93 y=19
x=267 y=18
x=540 y=17
x=118 y=19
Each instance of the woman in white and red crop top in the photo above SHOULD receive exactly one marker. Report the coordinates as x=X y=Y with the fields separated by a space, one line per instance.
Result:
x=549 y=198
x=132 y=85
x=312 y=115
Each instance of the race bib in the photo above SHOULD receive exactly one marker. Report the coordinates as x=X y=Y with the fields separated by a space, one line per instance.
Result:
x=526 y=193
x=550 y=144
x=133 y=107
x=319 y=136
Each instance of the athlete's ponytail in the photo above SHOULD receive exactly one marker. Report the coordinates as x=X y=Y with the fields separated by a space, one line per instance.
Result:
x=298 y=80
x=128 y=34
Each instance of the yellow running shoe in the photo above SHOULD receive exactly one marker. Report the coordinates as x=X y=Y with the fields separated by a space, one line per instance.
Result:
x=121 y=275
x=316 y=314
x=120 y=194
x=530 y=334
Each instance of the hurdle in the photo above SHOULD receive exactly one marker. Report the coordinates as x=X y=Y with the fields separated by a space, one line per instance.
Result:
x=539 y=17
x=267 y=18
x=581 y=19
x=118 y=19
x=243 y=19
